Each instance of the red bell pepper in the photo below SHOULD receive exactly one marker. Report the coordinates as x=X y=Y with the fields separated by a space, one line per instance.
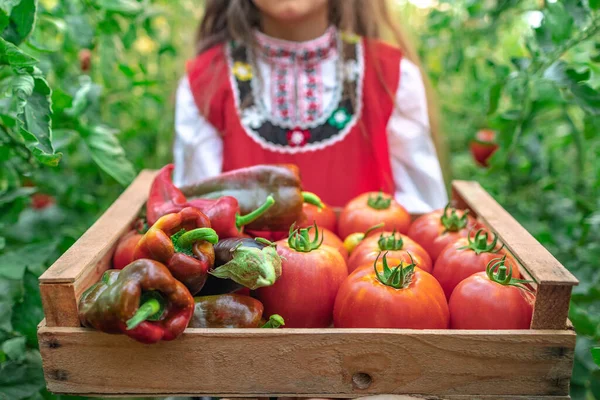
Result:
x=183 y=241
x=165 y=197
x=224 y=212
x=143 y=301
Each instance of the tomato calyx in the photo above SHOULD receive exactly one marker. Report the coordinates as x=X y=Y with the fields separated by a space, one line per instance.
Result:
x=379 y=202
x=390 y=243
x=497 y=272
x=480 y=243
x=299 y=239
x=313 y=199
x=451 y=221
x=400 y=277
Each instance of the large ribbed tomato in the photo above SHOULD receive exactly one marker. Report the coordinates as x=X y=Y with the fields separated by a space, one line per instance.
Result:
x=311 y=276
x=396 y=245
x=437 y=229
x=403 y=297
x=491 y=300
x=467 y=256
x=370 y=209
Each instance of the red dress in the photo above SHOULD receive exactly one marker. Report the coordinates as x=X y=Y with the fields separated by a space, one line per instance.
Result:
x=341 y=153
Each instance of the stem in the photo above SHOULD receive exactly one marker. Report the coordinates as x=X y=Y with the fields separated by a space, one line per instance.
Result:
x=274 y=322
x=299 y=239
x=379 y=202
x=241 y=220
x=586 y=33
x=313 y=199
x=190 y=237
x=501 y=273
x=371 y=229
x=152 y=308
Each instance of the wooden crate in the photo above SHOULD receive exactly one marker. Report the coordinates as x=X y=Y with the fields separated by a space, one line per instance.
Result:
x=452 y=364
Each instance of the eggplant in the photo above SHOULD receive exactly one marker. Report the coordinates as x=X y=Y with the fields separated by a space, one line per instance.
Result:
x=242 y=262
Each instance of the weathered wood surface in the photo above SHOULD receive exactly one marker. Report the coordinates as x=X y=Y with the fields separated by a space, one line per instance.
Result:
x=310 y=362
x=541 y=264
x=554 y=281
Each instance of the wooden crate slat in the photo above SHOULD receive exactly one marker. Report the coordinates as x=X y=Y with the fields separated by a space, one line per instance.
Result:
x=102 y=236
x=541 y=264
x=292 y=361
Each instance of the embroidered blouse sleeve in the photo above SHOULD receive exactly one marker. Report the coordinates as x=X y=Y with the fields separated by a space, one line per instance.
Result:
x=417 y=173
x=198 y=147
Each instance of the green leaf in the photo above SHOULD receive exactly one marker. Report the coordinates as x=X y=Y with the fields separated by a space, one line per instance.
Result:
x=578 y=10
x=11 y=195
x=128 y=7
x=22 y=20
x=594 y=4
x=80 y=100
x=6 y=7
x=37 y=115
x=20 y=379
x=579 y=76
x=564 y=76
x=107 y=152
x=587 y=97
x=27 y=313
x=37 y=129
x=9 y=291
x=14 y=348
x=555 y=28
x=494 y=98
x=32 y=256
x=12 y=56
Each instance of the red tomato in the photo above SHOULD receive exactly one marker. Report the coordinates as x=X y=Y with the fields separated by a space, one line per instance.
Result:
x=125 y=248
x=436 y=230
x=412 y=300
x=85 y=60
x=331 y=240
x=467 y=256
x=305 y=293
x=324 y=217
x=483 y=146
x=395 y=245
x=491 y=300
x=39 y=201
x=370 y=209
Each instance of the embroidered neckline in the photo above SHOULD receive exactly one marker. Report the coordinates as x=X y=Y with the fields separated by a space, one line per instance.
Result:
x=283 y=118
x=274 y=132
x=283 y=51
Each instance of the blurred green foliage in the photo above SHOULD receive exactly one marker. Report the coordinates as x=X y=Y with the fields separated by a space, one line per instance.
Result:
x=87 y=102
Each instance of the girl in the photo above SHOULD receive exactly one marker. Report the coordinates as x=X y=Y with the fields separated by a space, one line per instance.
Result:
x=308 y=82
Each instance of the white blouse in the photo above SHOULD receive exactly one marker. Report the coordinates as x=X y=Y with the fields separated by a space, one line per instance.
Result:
x=198 y=148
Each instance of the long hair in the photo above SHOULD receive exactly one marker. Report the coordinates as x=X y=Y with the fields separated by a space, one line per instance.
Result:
x=226 y=20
